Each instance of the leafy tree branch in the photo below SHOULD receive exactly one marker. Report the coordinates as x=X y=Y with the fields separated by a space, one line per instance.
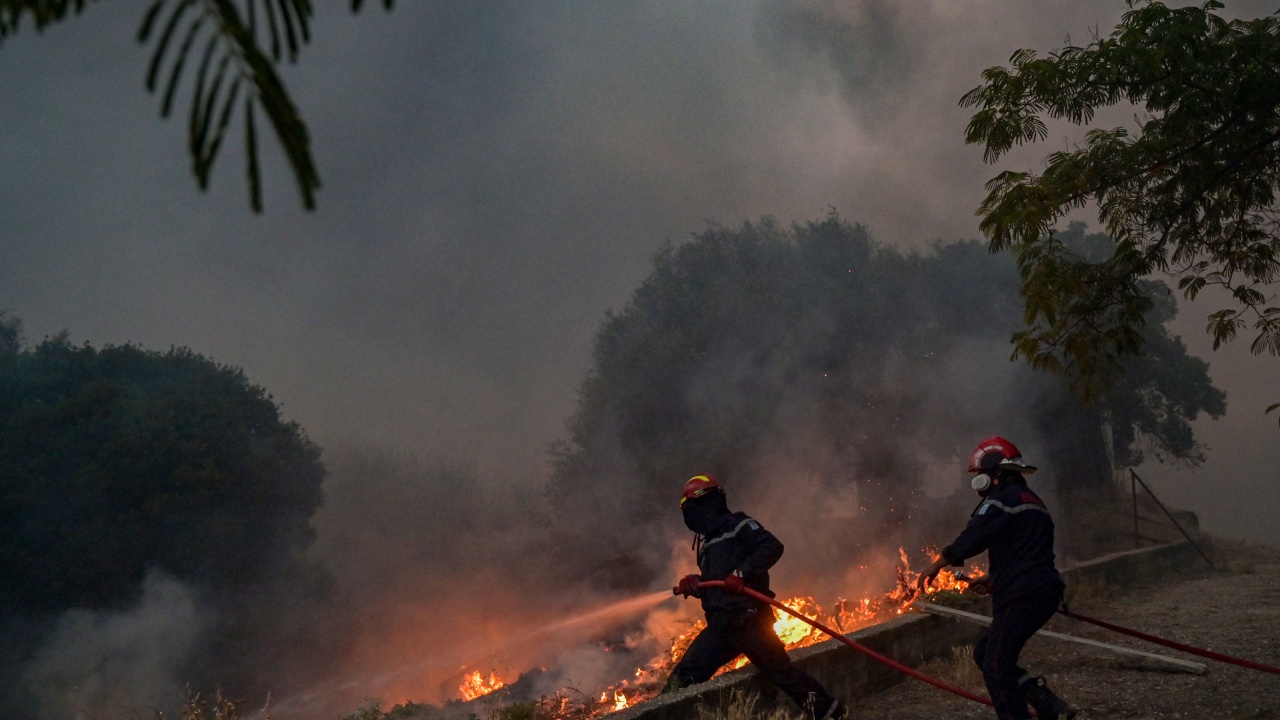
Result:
x=230 y=66
x=1191 y=194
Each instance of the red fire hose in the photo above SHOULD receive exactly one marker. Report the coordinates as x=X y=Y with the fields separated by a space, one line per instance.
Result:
x=865 y=651
x=1173 y=644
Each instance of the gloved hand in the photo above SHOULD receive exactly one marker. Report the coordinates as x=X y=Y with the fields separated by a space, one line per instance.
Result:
x=927 y=576
x=980 y=585
x=733 y=584
x=688 y=586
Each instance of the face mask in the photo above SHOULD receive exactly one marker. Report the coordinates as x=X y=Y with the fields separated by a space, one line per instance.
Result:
x=703 y=514
x=982 y=483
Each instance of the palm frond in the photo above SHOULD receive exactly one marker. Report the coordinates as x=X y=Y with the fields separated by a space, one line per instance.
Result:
x=42 y=12
x=232 y=65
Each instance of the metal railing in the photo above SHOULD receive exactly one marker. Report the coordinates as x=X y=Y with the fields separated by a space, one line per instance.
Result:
x=1134 y=482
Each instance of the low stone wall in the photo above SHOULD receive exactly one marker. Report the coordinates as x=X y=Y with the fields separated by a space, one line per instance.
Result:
x=912 y=640
x=1134 y=566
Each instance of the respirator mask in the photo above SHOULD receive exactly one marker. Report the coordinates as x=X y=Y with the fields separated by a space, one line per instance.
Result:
x=982 y=483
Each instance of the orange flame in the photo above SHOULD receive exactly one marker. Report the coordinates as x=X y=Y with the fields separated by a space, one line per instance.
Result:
x=475 y=684
x=845 y=616
x=791 y=630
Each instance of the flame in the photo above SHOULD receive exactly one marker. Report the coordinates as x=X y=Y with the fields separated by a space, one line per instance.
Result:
x=845 y=616
x=791 y=630
x=475 y=684
x=947 y=580
x=680 y=643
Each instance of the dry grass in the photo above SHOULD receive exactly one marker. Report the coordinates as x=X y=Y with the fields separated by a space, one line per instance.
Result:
x=198 y=707
x=1088 y=590
x=743 y=706
x=1244 y=554
x=960 y=669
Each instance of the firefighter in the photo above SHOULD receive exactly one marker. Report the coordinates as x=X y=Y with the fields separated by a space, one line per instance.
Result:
x=1013 y=526
x=736 y=549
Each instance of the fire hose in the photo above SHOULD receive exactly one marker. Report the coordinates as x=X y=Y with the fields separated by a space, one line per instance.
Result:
x=1171 y=643
x=838 y=636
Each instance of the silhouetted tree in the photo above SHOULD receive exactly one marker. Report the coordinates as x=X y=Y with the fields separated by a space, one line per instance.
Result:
x=117 y=462
x=848 y=358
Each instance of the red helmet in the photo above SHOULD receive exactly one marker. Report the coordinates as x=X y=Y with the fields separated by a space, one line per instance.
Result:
x=996 y=452
x=699 y=485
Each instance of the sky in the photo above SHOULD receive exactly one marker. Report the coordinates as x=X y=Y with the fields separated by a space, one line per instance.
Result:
x=497 y=177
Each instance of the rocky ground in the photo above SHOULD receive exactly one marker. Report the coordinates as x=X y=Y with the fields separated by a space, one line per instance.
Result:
x=1234 y=609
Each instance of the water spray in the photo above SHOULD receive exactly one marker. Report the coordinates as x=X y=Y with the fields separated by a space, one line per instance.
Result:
x=617 y=610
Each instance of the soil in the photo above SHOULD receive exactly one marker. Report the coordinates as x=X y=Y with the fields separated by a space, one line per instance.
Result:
x=1234 y=609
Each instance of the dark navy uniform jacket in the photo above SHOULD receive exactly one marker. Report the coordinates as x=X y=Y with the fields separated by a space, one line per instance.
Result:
x=736 y=542
x=1013 y=526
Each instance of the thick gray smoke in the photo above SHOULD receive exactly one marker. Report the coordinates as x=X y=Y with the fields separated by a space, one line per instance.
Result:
x=443 y=570
x=497 y=175
x=125 y=662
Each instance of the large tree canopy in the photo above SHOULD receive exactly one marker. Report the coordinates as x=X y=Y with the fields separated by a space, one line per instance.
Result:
x=118 y=461
x=1191 y=192
x=770 y=354
x=221 y=43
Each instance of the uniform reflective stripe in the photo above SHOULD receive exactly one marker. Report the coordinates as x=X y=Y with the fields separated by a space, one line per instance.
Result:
x=731 y=533
x=831 y=711
x=1014 y=509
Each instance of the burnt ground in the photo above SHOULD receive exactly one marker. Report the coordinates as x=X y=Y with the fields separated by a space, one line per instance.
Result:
x=1233 y=610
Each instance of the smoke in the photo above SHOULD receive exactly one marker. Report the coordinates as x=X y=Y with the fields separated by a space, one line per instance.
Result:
x=843 y=518
x=442 y=570
x=496 y=176
x=126 y=662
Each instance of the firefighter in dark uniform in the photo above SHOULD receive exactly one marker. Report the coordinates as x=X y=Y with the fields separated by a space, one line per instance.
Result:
x=1014 y=528
x=736 y=549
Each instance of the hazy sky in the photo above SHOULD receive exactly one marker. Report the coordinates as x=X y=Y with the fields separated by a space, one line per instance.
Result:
x=497 y=175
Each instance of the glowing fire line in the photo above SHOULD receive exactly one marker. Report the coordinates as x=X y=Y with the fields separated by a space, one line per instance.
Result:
x=845 y=616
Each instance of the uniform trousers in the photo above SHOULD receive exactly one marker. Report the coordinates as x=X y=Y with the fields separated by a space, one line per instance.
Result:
x=996 y=653
x=750 y=632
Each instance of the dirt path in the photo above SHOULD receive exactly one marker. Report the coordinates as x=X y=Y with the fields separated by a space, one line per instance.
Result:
x=1234 y=610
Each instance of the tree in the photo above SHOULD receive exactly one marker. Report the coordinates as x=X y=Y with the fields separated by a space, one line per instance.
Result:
x=1149 y=408
x=121 y=465
x=817 y=351
x=1191 y=193
x=229 y=67
x=118 y=461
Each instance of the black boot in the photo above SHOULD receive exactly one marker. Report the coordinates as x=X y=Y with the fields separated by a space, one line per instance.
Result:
x=1048 y=706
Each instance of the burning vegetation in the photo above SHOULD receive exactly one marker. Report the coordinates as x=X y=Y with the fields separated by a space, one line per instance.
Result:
x=844 y=614
x=475 y=684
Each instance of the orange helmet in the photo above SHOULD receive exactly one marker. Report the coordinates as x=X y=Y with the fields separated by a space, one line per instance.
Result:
x=699 y=485
x=997 y=453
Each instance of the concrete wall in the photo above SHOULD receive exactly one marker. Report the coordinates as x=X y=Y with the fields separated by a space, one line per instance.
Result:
x=1134 y=566
x=911 y=640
